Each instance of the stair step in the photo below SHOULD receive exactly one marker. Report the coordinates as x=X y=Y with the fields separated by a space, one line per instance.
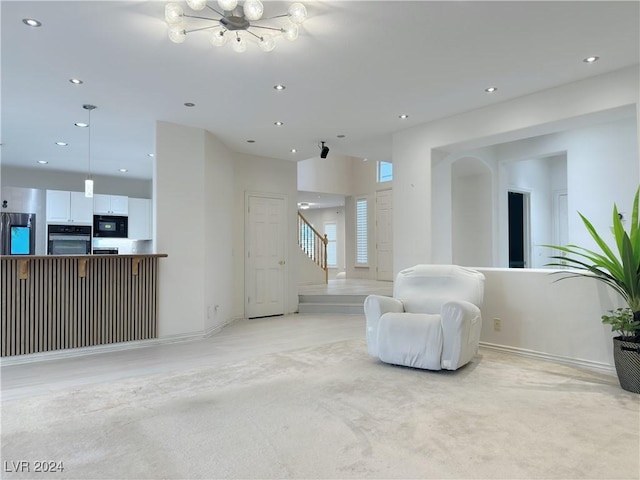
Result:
x=331 y=304
x=332 y=299
x=331 y=308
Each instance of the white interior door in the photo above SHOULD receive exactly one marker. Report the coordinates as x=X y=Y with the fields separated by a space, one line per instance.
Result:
x=384 y=234
x=266 y=267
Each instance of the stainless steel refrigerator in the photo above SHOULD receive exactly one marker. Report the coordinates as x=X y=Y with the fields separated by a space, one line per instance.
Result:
x=18 y=234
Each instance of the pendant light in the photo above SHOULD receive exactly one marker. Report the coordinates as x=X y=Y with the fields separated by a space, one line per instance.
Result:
x=88 y=183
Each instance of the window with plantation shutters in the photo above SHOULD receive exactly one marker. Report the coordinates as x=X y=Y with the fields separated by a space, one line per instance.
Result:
x=330 y=231
x=362 y=241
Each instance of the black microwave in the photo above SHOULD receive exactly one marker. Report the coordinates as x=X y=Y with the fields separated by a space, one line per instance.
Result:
x=110 y=226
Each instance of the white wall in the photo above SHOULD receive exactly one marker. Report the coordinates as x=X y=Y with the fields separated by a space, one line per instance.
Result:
x=192 y=193
x=471 y=213
x=539 y=314
x=218 y=222
x=415 y=149
x=326 y=175
x=264 y=175
x=179 y=228
x=308 y=272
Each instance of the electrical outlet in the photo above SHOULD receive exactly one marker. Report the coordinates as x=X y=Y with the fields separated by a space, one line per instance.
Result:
x=497 y=324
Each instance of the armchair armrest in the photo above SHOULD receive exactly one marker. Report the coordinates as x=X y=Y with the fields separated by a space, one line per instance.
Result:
x=461 y=325
x=374 y=307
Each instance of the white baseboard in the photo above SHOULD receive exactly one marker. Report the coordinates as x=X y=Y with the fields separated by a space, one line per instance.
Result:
x=111 y=347
x=574 y=362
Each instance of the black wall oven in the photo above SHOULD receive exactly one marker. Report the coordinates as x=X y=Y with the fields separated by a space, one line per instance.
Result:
x=111 y=226
x=69 y=239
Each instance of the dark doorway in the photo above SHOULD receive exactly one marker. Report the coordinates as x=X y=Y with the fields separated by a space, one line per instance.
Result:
x=517 y=230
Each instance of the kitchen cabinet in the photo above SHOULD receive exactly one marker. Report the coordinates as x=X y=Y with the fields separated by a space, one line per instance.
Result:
x=110 y=205
x=140 y=219
x=69 y=207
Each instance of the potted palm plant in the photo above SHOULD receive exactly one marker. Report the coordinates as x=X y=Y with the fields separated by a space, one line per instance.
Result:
x=619 y=268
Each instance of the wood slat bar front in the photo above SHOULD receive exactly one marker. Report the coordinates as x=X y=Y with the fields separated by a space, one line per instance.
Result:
x=59 y=302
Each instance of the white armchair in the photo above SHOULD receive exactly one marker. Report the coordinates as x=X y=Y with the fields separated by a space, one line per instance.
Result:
x=433 y=320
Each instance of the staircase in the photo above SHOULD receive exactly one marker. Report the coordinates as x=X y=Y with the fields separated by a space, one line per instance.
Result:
x=331 y=304
x=313 y=244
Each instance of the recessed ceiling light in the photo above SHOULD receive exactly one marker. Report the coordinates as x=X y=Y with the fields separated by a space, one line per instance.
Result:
x=76 y=81
x=491 y=89
x=279 y=87
x=151 y=154
x=340 y=136
x=31 y=22
x=62 y=144
x=278 y=124
x=123 y=170
x=403 y=116
x=42 y=162
x=591 y=59
x=189 y=104
x=81 y=124
x=293 y=150
x=251 y=141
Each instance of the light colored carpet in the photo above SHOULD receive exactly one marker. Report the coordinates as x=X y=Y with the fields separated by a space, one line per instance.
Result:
x=330 y=411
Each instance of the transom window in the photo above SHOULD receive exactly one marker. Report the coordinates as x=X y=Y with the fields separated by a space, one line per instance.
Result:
x=385 y=172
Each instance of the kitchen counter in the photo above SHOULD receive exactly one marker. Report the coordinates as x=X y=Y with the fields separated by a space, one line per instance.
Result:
x=53 y=302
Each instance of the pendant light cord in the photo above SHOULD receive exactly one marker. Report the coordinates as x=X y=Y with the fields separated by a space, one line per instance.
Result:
x=89 y=172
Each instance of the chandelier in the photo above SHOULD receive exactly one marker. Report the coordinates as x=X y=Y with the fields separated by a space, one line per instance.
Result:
x=236 y=24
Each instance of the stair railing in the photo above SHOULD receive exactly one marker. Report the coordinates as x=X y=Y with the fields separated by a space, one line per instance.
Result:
x=313 y=244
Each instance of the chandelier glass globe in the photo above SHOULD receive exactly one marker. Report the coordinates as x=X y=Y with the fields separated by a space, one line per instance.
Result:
x=218 y=38
x=228 y=5
x=173 y=13
x=239 y=44
x=297 y=13
x=290 y=32
x=267 y=43
x=177 y=33
x=253 y=9
x=197 y=4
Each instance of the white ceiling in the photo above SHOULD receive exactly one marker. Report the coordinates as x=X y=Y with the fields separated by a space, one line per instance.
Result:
x=356 y=66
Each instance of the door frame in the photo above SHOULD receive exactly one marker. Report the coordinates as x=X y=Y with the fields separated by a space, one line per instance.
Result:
x=285 y=229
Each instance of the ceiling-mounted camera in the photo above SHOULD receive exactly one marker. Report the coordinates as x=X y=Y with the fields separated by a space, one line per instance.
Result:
x=324 y=151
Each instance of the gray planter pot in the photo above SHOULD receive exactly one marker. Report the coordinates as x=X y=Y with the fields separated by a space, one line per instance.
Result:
x=626 y=356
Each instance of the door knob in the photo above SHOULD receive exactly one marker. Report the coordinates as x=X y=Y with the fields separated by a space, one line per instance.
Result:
x=281 y=262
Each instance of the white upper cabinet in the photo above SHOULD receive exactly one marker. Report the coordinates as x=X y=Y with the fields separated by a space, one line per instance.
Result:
x=110 y=205
x=140 y=219
x=69 y=207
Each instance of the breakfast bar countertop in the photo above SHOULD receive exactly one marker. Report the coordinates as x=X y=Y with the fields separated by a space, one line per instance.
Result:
x=34 y=257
